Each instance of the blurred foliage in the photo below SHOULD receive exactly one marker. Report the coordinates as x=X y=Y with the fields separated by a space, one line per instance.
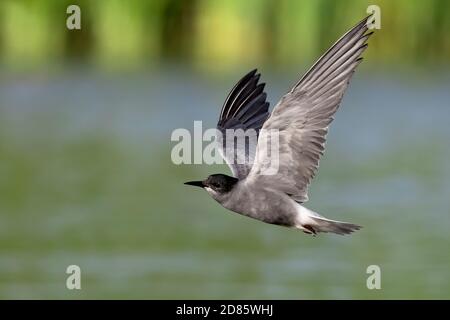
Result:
x=216 y=34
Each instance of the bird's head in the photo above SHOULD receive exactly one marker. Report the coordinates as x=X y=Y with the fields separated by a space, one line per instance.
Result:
x=215 y=184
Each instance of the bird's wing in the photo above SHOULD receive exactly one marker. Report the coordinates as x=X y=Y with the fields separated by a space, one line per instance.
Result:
x=245 y=108
x=303 y=115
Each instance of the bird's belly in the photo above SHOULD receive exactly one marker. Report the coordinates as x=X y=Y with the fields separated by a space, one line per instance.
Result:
x=268 y=206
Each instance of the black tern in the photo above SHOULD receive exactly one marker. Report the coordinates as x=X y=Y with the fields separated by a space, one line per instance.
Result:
x=301 y=118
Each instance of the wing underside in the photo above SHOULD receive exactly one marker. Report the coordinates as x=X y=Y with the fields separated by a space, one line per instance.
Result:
x=303 y=115
x=243 y=114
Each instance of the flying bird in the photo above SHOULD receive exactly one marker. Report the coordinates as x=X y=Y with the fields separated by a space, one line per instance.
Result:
x=301 y=118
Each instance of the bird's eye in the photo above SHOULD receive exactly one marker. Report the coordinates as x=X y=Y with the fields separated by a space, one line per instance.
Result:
x=216 y=185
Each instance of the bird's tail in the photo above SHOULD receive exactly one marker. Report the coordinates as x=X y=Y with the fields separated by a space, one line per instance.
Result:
x=313 y=223
x=326 y=225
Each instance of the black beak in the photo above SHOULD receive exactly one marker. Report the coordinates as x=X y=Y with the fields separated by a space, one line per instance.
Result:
x=196 y=183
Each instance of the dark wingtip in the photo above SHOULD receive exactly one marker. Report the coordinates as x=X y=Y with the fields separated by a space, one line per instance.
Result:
x=250 y=74
x=362 y=24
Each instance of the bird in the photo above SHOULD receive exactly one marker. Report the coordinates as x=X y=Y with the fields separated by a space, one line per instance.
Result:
x=301 y=119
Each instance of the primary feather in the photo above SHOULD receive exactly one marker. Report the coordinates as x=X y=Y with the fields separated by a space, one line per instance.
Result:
x=245 y=108
x=303 y=115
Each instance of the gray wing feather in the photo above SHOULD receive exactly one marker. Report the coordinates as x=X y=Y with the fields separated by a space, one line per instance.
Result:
x=303 y=115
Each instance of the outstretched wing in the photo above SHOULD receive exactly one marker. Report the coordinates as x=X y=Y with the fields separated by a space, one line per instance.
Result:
x=303 y=115
x=245 y=108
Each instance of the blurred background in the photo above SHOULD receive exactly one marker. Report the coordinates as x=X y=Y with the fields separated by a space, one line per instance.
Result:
x=86 y=176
